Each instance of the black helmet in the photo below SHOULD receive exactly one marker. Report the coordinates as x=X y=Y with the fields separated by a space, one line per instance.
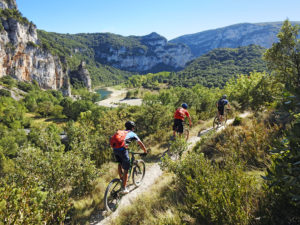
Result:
x=129 y=125
x=184 y=105
x=224 y=96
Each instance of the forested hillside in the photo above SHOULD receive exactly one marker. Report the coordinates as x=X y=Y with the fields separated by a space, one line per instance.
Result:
x=55 y=158
x=215 y=68
x=74 y=50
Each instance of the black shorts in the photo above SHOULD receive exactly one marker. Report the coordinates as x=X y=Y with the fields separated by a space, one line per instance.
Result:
x=221 y=110
x=122 y=157
x=178 y=125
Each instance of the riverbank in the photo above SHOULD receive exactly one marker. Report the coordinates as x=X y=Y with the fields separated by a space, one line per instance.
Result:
x=117 y=97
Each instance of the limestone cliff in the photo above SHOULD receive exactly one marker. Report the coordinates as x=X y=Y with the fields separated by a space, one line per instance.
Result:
x=20 y=55
x=152 y=53
x=81 y=75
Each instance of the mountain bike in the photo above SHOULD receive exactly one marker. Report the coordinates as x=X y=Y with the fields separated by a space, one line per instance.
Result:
x=113 y=192
x=217 y=123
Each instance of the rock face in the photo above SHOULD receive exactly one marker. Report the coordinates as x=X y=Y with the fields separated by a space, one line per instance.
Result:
x=8 y=4
x=21 y=57
x=263 y=34
x=152 y=54
x=82 y=75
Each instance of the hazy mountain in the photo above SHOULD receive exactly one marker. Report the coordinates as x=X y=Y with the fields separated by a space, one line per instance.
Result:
x=263 y=34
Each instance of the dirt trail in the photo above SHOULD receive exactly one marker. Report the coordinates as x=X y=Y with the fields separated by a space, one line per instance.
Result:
x=152 y=174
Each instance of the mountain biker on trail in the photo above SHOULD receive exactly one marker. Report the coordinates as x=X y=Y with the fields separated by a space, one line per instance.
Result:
x=221 y=106
x=179 y=116
x=119 y=142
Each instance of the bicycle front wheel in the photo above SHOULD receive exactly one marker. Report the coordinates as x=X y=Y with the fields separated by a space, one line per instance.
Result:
x=138 y=173
x=112 y=195
x=186 y=133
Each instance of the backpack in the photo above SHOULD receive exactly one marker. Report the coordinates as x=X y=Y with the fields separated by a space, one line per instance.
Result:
x=180 y=113
x=221 y=103
x=118 y=139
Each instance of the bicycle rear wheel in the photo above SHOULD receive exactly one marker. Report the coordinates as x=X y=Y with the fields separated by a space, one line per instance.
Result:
x=216 y=122
x=138 y=173
x=112 y=195
x=224 y=119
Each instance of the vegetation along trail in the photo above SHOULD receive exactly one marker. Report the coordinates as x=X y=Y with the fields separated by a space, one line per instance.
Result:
x=152 y=174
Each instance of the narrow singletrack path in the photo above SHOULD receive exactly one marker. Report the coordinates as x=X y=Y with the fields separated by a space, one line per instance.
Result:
x=152 y=174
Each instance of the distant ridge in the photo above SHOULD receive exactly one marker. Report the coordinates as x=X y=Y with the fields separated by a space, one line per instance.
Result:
x=233 y=36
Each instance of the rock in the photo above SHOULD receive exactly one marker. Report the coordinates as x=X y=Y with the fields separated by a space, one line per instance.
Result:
x=21 y=57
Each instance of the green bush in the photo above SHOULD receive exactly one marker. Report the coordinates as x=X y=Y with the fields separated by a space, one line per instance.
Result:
x=214 y=195
x=237 y=121
x=5 y=93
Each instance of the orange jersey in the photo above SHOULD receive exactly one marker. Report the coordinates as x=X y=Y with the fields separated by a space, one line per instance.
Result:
x=180 y=113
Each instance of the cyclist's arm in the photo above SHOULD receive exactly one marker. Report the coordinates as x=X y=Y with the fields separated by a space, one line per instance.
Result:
x=142 y=146
x=190 y=121
x=229 y=105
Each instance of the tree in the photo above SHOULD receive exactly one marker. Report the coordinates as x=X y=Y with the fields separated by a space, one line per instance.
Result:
x=284 y=57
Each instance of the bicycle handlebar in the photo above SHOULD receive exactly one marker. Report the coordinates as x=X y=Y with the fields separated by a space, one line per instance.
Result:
x=138 y=153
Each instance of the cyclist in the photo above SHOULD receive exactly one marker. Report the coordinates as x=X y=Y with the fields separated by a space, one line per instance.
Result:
x=121 y=152
x=221 y=106
x=179 y=116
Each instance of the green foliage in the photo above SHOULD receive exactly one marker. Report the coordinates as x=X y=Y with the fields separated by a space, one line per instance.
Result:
x=8 y=82
x=214 y=195
x=25 y=86
x=237 y=121
x=27 y=203
x=283 y=58
x=178 y=146
x=5 y=93
x=73 y=49
x=283 y=186
x=253 y=91
x=215 y=68
x=15 y=14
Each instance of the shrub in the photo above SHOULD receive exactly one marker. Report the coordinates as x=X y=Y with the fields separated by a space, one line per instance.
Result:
x=237 y=121
x=214 y=195
x=5 y=93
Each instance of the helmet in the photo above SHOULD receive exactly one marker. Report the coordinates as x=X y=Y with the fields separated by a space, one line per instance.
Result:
x=129 y=125
x=184 y=105
x=224 y=96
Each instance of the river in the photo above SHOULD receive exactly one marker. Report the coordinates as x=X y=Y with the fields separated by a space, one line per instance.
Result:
x=104 y=93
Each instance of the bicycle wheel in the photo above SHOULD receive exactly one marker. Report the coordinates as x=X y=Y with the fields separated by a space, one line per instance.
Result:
x=216 y=122
x=112 y=195
x=224 y=119
x=138 y=172
x=186 y=134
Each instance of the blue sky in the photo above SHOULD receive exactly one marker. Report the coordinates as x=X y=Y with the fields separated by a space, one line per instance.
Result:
x=169 y=18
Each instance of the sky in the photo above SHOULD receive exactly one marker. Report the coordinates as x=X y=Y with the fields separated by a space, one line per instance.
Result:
x=169 y=18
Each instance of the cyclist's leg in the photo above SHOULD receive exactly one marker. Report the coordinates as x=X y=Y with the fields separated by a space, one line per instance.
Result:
x=125 y=166
x=221 y=111
x=175 y=128
x=124 y=163
x=180 y=128
x=120 y=171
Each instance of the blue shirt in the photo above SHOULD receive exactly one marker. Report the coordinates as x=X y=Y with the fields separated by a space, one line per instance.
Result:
x=131 y=136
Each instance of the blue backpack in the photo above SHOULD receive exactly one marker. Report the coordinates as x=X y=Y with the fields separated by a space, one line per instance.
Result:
x=222 y=102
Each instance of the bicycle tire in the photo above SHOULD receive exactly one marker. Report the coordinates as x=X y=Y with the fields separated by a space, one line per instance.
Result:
x=216 y=122
x=186 y=134
x=138 y=172
x=224 y=119
x=112 y=195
